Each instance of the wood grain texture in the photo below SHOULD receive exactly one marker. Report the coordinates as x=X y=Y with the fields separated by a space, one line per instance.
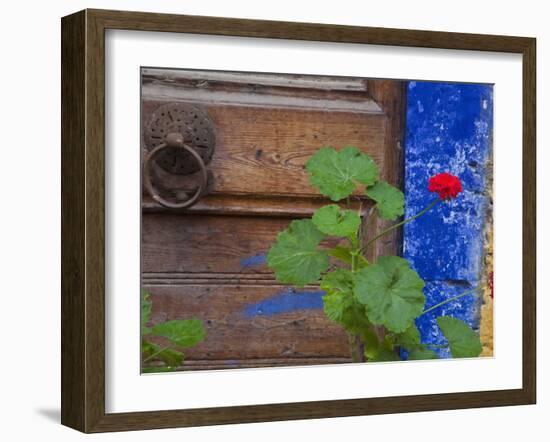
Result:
x=238 y=331
x=83 y=311
x=83 y=197
x=242 y=205
x=211 y=364
x=267 y=126
x=187 y=243
x=73 y=252
x=193 y=79
x=529 y=273
x=262 y=151
x=335 y=94
x=193 y=24
x=95 y=221
x=391 y=96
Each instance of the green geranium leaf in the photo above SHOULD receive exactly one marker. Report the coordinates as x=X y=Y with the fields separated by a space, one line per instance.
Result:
x=338 y=300
x=171 y=357
x=463 y=341
x=331 y=220
x=390 y=201
x=382 y=354
x=409 y=339
x=336 y=173
x=392 y=292
x=420 y=353
x=362 y=262
x=341 y=306
x=336 y=306
x=182 y=332
x=344 y=255
x=147 y=348
x=341 y=253
x=146 y=307
x=339 y=280
x=294 y=257
x=149 y=370
x=343 y=309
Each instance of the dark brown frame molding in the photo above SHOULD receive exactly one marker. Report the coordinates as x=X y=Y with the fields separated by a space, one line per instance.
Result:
x=83 y=216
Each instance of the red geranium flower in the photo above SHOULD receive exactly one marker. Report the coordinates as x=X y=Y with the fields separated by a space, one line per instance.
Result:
x=447 y=186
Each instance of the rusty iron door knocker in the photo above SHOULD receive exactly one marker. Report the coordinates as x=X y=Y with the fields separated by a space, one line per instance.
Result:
x=180 y=140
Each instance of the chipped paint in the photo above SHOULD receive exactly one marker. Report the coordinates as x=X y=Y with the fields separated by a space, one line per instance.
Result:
x=449 y=129
x=288 y=300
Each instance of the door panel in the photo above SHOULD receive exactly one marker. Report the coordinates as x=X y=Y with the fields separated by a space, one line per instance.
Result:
x=209 y=243
x=194 y=261
x=262 y=151
x=242 y=326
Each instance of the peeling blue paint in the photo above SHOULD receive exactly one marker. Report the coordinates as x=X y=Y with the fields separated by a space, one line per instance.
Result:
x=254 y=260
x=467 y=309
x=449 y=129
x=288 y=300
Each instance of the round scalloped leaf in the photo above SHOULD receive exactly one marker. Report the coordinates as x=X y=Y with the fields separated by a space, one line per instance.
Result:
x=382 y=354
x=390 y=201
x=409 y=339
x=295 y=258
x=343 y=308
x=336 y=222
x=421 y=353
x=392 y=293
x=463 y=341
x=172 y=358
x=339 y=280
x=339 y=303
x=336 y=173
x=182 y=332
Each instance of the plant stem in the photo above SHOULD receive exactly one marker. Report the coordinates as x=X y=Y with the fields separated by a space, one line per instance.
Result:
x=360 y=349
x=395 y=226
x=433 y=307
x=352 y=347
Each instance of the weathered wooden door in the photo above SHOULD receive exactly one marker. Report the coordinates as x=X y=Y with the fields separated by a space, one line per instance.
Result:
x=206 y=261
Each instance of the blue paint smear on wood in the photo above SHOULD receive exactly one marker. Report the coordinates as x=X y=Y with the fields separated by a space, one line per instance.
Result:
x=254 y=260
x=449 y=129
x=288 y=300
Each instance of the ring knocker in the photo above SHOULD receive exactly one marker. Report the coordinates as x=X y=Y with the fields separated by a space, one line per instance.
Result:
x=180 y=140
x=174 y=140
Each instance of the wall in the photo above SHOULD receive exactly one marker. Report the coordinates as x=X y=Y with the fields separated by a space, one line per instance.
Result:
x=30 y=232
x=449 y=129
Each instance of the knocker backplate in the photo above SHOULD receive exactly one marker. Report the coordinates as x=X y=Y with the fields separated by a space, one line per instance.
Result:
x=196 y=127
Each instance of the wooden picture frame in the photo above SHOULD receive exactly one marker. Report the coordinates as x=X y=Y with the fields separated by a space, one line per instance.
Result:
x=83 y=220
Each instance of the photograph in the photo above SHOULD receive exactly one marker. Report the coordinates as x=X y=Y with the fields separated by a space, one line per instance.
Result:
x=303 y=220
x=269 y=221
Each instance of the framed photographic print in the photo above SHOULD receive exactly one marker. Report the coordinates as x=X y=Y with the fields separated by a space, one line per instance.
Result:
x=268 y=221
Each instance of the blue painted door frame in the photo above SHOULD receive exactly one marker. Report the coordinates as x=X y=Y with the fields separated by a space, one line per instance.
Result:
x=448 y=129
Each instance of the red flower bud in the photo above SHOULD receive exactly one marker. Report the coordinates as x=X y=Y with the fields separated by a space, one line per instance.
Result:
x=447 y=186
